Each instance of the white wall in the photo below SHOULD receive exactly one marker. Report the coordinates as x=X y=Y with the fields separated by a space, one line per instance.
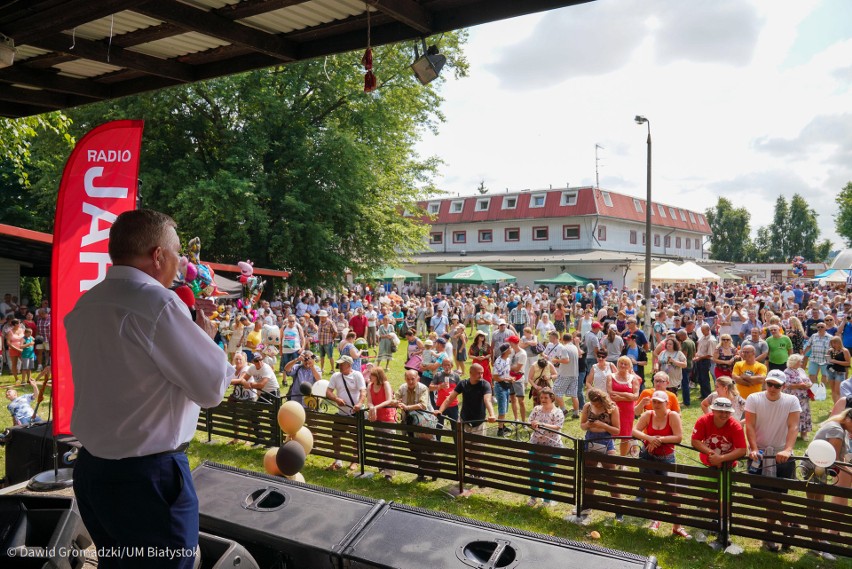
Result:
x=10 y=278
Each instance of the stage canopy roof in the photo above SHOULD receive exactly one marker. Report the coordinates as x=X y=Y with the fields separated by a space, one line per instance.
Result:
x=73 y=52
x=564 y=279
x=476 y=274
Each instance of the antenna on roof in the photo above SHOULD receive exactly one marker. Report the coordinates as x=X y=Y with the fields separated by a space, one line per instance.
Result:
x=597 y=165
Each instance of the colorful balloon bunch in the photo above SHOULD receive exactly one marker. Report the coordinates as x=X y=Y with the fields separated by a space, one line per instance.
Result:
x=799 y=265
x=196 y=275
x=252 y=284
x=289 y=458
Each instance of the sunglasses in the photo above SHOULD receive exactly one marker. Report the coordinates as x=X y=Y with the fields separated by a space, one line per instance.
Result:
x=775 y=385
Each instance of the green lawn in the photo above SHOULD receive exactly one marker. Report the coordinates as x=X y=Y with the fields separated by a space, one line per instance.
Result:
x=508 y=509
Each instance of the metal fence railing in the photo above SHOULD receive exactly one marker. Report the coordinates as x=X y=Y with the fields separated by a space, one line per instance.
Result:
x=725 y=501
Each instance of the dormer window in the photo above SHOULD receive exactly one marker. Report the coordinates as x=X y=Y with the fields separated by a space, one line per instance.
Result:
x=662 y=211
x=537 y=200
x=482 y=204
x=510 y=202
x=607 y=199
x=434 y=208
x=568 y=198
x=637 y=205
x=456 y=206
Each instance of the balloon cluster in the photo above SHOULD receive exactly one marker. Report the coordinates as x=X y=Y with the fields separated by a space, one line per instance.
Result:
x=196 y=275
x=252 y=284
x=289 y=458
x=799 y=265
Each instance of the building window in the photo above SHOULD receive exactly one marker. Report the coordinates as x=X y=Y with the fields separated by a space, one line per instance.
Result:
x=633 y=237
x=456 y=206
x=513 y=234
x=700 y=219
x=459 y=236
x=482 y=204
x=656 y=240
x=436 y=238
x=486 y=236
x=434 y=208
x=570 y=231
x=677 y=242
x=643 y=236
x=607 y=199
x=682 y=215
x=510 y=203
x=637 y=205
x=673 y=213
x=406 y=213
x=662 y=211
x=697 y=244
x=691 y=217
x=667 y=241
x=601 y=232
x=568 y=198
x=540 y=233
x=537 y=200
x=688 y=243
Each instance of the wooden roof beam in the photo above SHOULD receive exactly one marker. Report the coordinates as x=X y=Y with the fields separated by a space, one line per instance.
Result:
x=54 y=82
x=408 y=12
x=214 y=25
x=42 y=98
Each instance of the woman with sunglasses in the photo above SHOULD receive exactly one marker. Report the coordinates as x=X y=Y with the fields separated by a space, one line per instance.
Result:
x=600 y=372
x=725 y=356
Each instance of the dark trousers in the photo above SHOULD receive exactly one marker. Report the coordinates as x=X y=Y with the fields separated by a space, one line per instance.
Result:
x=684 y=383
x=136 y=507
x=702 y=376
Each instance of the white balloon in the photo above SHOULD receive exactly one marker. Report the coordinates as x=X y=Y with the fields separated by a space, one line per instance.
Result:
x=319 y=388
x=821 y=453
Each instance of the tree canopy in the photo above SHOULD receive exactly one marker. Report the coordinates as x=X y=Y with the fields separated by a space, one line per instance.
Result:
x=843 y=218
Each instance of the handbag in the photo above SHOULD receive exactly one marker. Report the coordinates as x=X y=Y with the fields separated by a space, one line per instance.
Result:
x=414 y=362
x=819 y=391
x=537 y=349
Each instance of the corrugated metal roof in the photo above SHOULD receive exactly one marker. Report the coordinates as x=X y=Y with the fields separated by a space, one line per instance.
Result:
x=305 y=15
x=85 y=68
x=124 y=22
x=527 y=257
x=623 y=207
x=27 y=51
x=176 y=46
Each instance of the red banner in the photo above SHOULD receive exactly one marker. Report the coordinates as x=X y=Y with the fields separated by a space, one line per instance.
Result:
x=99 y=183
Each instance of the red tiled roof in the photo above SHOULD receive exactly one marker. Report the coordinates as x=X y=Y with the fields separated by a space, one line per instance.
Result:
x=27 y=234
x=623 y=207
x=590 y=201
x=552 y=208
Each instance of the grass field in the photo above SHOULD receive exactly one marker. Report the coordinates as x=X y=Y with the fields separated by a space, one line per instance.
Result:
x=508 y=509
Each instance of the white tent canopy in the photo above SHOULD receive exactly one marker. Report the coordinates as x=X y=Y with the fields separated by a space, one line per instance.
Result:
x=698 y=272
x=667 y=272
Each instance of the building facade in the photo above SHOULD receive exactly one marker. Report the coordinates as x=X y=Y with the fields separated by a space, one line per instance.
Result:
x=537 y=234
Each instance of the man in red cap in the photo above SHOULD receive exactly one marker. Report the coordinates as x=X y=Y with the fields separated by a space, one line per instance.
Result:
x=516 y=370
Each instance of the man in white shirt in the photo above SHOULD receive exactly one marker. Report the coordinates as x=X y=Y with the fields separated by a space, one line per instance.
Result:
x=772 y=424
x=372 y=324
x=261 y=378
x=348 y=390
x=141 y=369
x=567 y=374
x=517 y=363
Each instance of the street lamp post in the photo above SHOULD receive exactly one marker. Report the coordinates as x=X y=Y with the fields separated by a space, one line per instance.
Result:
x=642 y=120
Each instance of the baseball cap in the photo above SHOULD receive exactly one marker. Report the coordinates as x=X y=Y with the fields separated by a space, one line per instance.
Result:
x=660 y=396
x=257 y=357
x=501 y=322
x=441 y=340
x=513 y=340
x=596 y=325
x=345 y=359
x=776 y=376
x=322 y=313
x=722 y=404
x=504 y=347
x=428 y=343
x=455 y=317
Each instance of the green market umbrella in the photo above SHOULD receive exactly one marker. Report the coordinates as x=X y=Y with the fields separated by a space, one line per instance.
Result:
x=476 y=274
x=391 y=274
x=564 y=279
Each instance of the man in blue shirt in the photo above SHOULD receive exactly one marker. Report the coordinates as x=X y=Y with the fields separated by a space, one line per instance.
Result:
x=21 y=405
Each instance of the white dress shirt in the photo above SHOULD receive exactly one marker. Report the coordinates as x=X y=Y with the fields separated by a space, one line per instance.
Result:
x=141 y=367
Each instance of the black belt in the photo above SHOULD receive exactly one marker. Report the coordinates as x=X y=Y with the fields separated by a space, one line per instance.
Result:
x=181 y=449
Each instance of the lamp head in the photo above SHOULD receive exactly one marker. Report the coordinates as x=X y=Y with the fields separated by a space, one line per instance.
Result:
x=428 y=66
x=640 y=119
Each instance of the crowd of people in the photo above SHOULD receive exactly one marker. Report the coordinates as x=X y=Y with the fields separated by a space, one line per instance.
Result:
x=756 y=355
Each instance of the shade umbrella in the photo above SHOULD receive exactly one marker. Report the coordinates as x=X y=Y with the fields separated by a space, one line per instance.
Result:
x=825 y=274
x=564 y=279
x=667 y=272
x=391 y=274
x=838 y=276
x=726 y=276
x=476 y=274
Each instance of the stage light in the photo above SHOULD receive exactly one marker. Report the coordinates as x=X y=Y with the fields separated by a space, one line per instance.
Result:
x=7 y=51
x=428 y=66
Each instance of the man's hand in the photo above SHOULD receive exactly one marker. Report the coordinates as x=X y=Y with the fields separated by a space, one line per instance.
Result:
x=783 y=456
x=492 y=419
x=204 y=306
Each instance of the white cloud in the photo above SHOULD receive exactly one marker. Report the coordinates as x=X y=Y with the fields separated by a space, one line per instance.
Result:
x=729 y=114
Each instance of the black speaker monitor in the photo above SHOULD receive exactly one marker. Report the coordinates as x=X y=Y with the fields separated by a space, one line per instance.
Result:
x=423 y=538
x=307 y=525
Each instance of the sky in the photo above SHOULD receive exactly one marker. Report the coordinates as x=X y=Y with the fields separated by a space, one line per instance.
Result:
x=747 y=99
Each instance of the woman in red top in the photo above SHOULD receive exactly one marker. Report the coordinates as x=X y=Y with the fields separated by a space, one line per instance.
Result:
x=480 y=353
x=623 y=388
x=381 y=405
x=660 y=429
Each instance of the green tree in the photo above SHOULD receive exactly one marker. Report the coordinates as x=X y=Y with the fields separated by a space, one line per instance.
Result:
x=294 y=166
x=778 y=250
x=803 y=232
x=731 y=228
x=843 y=217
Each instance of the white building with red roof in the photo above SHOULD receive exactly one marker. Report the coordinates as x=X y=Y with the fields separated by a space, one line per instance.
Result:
x=537 y=234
